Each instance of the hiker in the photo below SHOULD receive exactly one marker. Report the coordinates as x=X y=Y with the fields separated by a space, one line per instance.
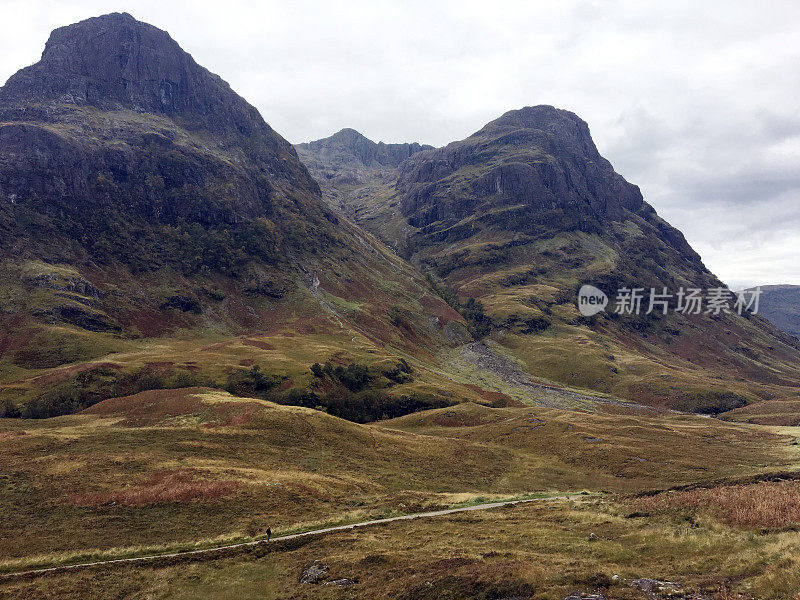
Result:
x=269 y=533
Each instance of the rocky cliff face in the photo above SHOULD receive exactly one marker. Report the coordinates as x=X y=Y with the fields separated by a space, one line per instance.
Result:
x=348 y=145
x=534 y=173
x=115 y=62
x=349 y=158
x=116 y=126
x=538 y=165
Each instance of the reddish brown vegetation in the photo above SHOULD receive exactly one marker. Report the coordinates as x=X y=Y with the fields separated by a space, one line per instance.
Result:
x=496 y=398
x=766 y=504
x=156 y=407
x=258 y=344
x=164 y=486
x=150 y=407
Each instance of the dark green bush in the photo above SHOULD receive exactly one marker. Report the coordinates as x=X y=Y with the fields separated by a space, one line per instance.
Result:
x=251 y=382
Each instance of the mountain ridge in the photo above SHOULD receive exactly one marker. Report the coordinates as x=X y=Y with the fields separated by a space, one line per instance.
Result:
x=780 y=304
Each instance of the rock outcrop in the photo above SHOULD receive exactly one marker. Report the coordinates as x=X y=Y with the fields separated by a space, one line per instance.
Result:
x=348 y=145
x=535 y=171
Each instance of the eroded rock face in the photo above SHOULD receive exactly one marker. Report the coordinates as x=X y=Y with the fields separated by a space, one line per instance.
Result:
x=348 y=145
x=539 y=158
x=117 y=127
x=115 y=62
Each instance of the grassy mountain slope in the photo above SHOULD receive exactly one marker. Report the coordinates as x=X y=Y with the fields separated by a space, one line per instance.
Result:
x=522 y=213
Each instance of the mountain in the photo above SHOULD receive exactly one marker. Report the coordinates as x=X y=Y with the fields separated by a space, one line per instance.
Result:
x=141 y=197
x=780 y=304
x=511 y=221
x=349 y=148
x=155 y=231
x=357 y=176
x=348 y=163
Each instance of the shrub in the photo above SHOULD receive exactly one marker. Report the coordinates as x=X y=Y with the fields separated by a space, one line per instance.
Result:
x=395 y=316
x=478 y=323
x=184 y=379
x=711 y=403
x=63 y=400
x=142 y=380
x=365 y=406
x=8 y=409
x=355 y=377
x=400 y=373
x=252 y=382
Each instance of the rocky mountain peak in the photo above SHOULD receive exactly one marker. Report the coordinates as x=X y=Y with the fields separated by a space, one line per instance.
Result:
x=120 y=119
x=114 y=62
x=349 y=145
x=557 y=129
x=540 y=158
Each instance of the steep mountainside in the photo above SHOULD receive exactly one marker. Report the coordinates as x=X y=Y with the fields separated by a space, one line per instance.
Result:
x=780 y=304
x=349 y=158
x=140 y=196
x=358 y=178
x=519 y=215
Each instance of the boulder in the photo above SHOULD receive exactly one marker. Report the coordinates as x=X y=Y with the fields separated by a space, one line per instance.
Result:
x=314 y=573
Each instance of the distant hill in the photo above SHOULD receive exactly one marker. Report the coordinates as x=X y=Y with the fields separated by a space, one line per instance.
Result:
x=781 y=305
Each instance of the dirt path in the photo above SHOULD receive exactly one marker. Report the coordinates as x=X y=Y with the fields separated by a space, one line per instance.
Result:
x=327 y=530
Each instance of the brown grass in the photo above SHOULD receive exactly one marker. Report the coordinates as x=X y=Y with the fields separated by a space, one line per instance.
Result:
x=761 y=505
x=164 y=486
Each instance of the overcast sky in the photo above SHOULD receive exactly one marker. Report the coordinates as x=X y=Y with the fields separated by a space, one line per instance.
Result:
x=697 y=102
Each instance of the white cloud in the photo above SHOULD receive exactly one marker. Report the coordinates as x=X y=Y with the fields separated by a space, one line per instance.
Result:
x=696 y=102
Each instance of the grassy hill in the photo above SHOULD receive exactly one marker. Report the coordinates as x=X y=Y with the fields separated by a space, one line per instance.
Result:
x=192 y=468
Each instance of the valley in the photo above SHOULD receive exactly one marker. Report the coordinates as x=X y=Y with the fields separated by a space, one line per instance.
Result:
x=207 y=332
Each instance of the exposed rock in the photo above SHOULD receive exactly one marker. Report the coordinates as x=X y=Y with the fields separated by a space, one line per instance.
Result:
x=341 y=582
x=349 y=165
x=314 y=573
x=547 y=162
x=658 y=586
x=593 y=537
x=349 y=146
x=76 y=285
x=583 y=596
x=81 y=316
x=110 y=187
